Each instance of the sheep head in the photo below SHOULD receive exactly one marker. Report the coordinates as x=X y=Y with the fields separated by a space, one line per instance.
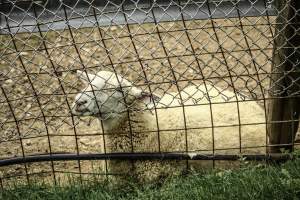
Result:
x=106 y=95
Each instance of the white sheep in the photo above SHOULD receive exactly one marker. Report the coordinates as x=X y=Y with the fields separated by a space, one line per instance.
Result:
x=200 y=119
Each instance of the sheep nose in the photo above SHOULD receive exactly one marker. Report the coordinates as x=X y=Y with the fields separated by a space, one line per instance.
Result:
x=79 y=103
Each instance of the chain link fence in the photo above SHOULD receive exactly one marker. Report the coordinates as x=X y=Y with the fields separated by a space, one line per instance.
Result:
x=221 y=80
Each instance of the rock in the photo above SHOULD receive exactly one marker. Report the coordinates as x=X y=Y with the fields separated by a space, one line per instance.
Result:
x=8 y=81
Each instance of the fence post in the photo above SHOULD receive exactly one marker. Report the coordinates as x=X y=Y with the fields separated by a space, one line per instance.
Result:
x=284 y=105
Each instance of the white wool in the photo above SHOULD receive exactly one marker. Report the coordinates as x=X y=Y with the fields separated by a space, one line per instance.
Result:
x=206 y=120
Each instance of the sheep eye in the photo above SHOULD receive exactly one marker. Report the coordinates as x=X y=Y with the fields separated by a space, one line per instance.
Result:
x=118 y=89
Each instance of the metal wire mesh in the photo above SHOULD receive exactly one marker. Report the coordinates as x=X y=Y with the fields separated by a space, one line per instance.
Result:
x=162 y=47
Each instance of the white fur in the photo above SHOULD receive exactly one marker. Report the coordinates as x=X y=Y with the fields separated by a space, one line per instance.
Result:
x=202 y=108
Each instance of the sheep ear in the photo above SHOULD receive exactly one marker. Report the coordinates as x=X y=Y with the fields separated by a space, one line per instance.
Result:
x=148 y=98
x=85 y=76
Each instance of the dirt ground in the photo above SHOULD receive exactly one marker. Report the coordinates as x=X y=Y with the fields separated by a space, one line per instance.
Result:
x=38 y=86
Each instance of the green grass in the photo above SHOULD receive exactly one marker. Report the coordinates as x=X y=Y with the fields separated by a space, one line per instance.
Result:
x=249 y=182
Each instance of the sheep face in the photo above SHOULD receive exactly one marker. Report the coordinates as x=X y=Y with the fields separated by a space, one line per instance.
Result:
x=106 y=95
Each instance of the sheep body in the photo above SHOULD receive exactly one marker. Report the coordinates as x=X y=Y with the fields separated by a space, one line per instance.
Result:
x=171 y=137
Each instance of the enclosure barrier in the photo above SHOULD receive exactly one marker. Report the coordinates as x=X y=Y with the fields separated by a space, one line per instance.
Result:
x=246 y=48
x=285 y=61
